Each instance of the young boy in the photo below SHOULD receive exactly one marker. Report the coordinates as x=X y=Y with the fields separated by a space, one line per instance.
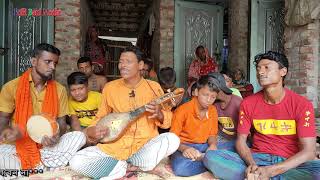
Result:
x=167 y=80
x=83 y=104
x=196 y=124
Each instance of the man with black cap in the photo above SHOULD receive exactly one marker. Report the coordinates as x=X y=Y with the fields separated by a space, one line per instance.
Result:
x=227 y=106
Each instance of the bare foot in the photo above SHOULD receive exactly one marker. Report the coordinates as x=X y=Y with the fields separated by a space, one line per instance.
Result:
x=159 y=172
x=156 y=171
x=132 y=168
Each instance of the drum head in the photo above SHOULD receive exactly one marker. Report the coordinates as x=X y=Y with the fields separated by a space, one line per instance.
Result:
x=37 y=127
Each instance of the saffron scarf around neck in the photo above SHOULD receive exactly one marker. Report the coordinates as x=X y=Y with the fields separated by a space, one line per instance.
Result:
x=29 y=151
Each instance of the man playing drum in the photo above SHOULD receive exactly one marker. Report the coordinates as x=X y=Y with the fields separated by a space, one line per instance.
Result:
x=141 y=145
x=34 y=93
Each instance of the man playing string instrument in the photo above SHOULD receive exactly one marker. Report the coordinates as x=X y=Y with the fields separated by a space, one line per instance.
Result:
x=141 y=145
x=34 y=92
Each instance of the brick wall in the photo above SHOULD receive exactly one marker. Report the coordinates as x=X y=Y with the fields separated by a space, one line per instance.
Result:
x=67 y=37
x=162 y=43
x=166 y=32
x=238 y=34
x=302 y=50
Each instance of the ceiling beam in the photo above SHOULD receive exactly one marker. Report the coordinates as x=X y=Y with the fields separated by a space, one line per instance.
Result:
x=117 y=19
x=122 y=1
x=117 y=14
x=118 y=7
x=118 y=33
x=118 y=25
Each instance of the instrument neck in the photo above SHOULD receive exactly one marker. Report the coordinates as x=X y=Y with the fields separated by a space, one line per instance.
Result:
x=137 y=112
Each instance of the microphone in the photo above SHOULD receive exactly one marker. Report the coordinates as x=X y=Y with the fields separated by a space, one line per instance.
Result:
x=132 y=94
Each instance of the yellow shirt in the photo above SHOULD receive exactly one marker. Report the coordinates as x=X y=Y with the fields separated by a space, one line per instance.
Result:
x=8 y=98
x=116 y=98
x=85 y=111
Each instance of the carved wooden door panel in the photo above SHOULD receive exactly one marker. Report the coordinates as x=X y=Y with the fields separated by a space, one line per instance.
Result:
x=195 y=24
x=21 y=32
x=267 y=28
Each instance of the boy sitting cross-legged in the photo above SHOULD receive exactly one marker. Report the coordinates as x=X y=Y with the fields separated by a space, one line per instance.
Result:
x=196 y=124
x=83 y=104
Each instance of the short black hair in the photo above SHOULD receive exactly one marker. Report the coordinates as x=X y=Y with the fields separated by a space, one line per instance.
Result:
x=193 y=87
x=211 y=82
x=279 y=58
x=83 y=60
x=136 y=51
x=167 y=76
x=77 y=78
x=36 y=52
x=148 y=62
x=199 y=47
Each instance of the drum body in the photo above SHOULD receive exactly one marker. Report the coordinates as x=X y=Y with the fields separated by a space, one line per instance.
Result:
x=39 y=126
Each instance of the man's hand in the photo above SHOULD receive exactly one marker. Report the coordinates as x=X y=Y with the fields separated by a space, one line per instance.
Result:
x=251 y=169
x=10 y=134
x=50 y=141
x=265 y=172
x=155 y=111
x=96 y=133
x=191 y=153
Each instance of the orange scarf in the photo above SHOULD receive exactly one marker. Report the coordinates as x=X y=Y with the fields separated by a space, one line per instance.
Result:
x=27 y=149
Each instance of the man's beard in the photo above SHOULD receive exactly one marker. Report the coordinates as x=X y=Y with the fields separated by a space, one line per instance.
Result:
x=44 y=77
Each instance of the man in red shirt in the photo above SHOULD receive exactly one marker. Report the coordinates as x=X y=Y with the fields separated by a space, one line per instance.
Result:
x=283 y=128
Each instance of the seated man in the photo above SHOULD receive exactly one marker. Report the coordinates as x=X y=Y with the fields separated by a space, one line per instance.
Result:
x=228 y=106
x=96 y=82
x=196 y=124
x=284 y=137
x=140 y=145
x=36 y=93
x=147 y=72
x=83 y=104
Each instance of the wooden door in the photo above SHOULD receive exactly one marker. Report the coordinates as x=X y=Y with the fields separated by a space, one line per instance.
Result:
x=195 y=24
x=20 y=34
x=267 y=28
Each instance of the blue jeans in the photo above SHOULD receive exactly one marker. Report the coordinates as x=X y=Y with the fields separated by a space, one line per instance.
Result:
x=228 y=165
x=182 y=166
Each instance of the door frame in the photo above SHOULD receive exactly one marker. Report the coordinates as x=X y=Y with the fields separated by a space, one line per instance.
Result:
x=257 y=42
x=4 y=30
x=4 y=19
x=178 y=43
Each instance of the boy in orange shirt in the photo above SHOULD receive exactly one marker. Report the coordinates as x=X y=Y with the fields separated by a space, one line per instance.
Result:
x=196 y=124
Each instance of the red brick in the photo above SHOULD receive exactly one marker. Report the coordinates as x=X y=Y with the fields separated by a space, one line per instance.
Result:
x=307 y=49
x=300 y=90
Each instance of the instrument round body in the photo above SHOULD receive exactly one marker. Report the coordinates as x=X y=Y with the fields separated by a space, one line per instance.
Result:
x=39 y=126
x=117 y=123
